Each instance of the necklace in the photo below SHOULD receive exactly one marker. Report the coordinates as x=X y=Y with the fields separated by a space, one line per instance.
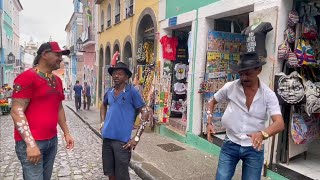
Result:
x=49 y=77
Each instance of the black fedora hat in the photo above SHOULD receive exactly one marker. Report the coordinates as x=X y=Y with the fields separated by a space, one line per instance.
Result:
x=120 y=65
x=247 y=61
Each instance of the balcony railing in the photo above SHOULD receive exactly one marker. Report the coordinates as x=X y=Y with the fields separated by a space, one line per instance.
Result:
x=117 y=18
x=109 y=23
x=102 y=27
x=129 y=11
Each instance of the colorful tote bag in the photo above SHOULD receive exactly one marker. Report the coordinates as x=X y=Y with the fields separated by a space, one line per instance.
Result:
x=289 y=88
x=298 y=128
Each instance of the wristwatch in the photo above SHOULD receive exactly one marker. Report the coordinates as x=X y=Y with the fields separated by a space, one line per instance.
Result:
x=137 y=138
x=265 y=135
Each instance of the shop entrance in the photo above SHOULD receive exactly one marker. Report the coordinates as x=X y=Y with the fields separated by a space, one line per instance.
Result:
x=299 y=144
x=224 y=46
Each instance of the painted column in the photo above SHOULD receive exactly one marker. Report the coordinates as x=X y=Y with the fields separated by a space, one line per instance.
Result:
x=198 y=73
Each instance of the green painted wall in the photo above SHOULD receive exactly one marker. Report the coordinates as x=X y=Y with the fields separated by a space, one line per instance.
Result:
x=7 y=18
x=9 y=30
x=176 y=7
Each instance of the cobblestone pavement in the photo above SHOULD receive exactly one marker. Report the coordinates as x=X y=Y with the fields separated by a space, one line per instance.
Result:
x=83 y=162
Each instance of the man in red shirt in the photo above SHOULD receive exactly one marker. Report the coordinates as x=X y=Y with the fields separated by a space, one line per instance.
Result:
x=36 y=111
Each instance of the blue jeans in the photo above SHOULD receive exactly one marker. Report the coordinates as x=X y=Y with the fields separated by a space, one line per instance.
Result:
x=231 y=153
x=43 y=170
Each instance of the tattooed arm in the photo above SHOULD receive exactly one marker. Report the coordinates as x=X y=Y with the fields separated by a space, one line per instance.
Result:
x=145 y=116
x=64 y=126
x=21 y=124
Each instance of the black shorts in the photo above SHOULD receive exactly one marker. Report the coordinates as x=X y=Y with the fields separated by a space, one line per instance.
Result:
x=115 y=159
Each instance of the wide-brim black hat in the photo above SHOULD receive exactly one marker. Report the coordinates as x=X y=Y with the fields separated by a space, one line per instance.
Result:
x=247 y=61
x=120 y=65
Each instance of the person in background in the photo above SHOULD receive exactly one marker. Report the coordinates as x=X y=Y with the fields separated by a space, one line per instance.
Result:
x=250 y=103
x=87 y=96
x=77 y=95
x=37 y=110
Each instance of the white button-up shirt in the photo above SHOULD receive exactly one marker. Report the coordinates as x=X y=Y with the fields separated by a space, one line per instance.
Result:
x=237 y=119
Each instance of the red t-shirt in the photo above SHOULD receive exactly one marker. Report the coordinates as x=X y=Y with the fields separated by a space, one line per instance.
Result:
x=43 y=108
x=169 y=47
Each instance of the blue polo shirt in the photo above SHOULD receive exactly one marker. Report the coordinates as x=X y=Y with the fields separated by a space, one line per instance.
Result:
x=120 y=116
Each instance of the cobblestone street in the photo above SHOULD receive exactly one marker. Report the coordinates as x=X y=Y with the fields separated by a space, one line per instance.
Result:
x=83 y=162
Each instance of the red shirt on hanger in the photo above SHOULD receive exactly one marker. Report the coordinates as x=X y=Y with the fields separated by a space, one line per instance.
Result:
x=169 y=47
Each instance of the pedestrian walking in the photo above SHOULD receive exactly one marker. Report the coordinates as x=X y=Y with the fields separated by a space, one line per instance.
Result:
x=123 y=102
x=250 y=101
x=77 y=94
x=87 y=96
x=36 y=110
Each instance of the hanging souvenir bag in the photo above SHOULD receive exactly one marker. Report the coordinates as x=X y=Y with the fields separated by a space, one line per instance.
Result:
x=289 y=88
x=290 y=35
x=293 y=18
x=309 y=27
x=312 y=92
x=283 y=50
x=298 y=128
x=312 y=128
x=308 y=55
x=292 y=59
x=299 y=51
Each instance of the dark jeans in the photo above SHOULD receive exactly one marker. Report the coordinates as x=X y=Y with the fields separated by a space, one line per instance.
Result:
x=43 y=170
x=115 y=159
x=231 y=153
x=77 y=100
x=87 y=102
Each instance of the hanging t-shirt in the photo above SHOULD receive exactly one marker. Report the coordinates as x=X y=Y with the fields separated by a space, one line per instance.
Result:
x=169 y=47
x=256 y=38
x=180 y=88
x=180 y=71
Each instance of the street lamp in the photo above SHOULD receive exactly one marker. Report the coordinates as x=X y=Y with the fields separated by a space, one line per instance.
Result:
x=10 y=58
x=79 y=44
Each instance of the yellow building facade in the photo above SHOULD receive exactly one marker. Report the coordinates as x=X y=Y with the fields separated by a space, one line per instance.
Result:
x=124 y=26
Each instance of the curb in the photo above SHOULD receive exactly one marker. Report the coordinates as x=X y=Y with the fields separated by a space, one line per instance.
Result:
x=136 y=165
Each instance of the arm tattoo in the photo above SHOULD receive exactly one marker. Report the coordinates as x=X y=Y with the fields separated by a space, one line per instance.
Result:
x=20 y=120
x=145 y=114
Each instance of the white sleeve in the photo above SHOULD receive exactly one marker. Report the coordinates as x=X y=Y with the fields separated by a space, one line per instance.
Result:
x=272 y=102
x=222 y=93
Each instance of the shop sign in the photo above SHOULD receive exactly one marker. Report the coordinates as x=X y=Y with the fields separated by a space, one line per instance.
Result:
x=173 y=21
x=213 y=56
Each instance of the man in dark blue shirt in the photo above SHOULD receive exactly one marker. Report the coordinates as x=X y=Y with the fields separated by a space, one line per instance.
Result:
x=77 y=94
x=123 y=101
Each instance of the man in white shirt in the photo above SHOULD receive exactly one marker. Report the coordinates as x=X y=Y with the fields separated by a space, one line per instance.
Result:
x=250 y=102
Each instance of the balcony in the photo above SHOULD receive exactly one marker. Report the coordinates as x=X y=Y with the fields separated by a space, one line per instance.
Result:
x=102 y=28
x=109 y=23
x=117 y=18
x=129 y=11
x=88 y=37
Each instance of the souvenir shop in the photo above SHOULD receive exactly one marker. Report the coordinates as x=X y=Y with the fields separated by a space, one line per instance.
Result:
x=298 y=90
x=172 y=100
x=225 y=42
x=145 y=59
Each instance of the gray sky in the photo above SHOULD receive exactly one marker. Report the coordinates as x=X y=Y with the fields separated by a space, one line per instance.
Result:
x=44 y=18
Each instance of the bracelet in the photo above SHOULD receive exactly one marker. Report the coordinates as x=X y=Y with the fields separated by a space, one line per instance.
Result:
x=65 y=134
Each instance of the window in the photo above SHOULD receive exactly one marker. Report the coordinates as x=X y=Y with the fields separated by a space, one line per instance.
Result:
x=129 y=8
x=109 y=16
x=117 y=11
x=102 y=21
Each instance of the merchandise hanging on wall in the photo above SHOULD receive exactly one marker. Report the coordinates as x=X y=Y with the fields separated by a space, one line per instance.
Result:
x=224 y=49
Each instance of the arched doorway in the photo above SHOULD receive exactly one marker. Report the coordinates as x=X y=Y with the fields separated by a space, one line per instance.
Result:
x=145 y=37
x=108 y=79
x=127 y=54
x=100 y=73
